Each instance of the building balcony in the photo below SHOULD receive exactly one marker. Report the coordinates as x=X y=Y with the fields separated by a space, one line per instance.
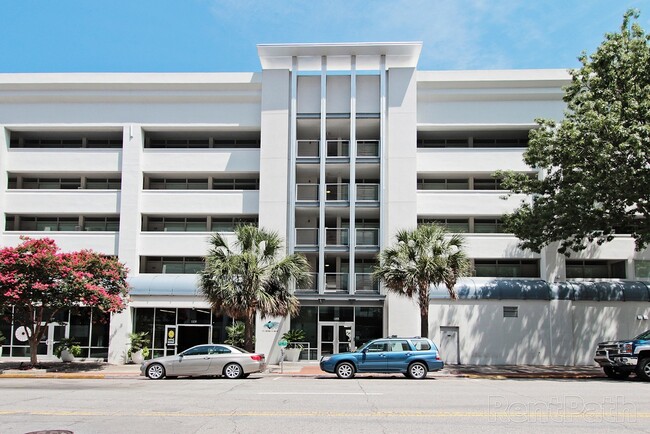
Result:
x=201 y=160
x=336 y=283
x=62 y=202
x=365 y=284
x=310 y=288
x=470 y=160
x=367 y=194
x=208 y=202
x=466 y=202
x=310 y=149
x=337 y=193
x=307 y=192
x=368 y=149
x=367 y=238
x=32 y=160
x=102 y=242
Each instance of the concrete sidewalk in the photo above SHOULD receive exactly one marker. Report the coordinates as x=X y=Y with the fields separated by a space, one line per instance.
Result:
x=100 y=370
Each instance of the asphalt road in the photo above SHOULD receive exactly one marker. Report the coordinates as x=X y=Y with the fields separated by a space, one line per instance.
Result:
x=303 y=405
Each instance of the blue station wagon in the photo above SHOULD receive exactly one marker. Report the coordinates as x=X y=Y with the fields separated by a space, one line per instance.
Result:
x=413 y=357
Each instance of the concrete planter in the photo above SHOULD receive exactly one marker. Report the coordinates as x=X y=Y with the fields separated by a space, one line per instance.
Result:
x=137 y=357
x=292 y=354
x=67 y=356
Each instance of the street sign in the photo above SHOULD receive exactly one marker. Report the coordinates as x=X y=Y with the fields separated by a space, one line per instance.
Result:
x=282 y=343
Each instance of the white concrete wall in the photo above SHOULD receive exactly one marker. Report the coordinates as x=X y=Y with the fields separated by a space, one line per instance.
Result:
x=401 y=200
x=557 y=332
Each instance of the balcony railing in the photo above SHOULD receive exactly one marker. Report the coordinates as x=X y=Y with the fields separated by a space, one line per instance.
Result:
x=367 y=192
x=337 y=192
x=365 y=283
x=338 y=148
x=368 y=148
x=308 y=148
x=367 y=237
x=307 y=192
x=310 y=287
x=336 y=282
x=306 y=236
x=336 y=237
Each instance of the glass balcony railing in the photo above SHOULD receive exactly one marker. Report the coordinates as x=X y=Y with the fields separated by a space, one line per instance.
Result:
x=336 y=282
x=307 y=192
x=365 y=283
x=307 y=148
x=368 y=148
x=337 y=192
x=338 y=148
x=367 y=237
x=367 y=192
x=310 y=287
x=336 y=237
x=306 y=236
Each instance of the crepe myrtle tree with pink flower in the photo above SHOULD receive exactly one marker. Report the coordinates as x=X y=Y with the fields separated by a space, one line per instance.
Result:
x=39 y=281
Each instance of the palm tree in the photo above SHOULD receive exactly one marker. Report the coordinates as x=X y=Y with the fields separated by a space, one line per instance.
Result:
x=426 y=256
x=251 y=277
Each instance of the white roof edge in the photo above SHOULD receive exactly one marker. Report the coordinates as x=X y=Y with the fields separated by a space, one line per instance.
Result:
x=279 y=55
x=163 y=78
x=495 y=75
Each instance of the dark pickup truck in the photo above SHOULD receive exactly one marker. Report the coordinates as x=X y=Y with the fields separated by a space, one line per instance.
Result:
x=620 y=358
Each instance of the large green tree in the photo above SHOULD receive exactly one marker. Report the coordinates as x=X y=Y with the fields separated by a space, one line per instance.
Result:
x=596 y=162
x=427 y=256
x=252 y=276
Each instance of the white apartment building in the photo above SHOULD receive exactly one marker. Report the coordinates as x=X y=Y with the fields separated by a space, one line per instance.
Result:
x=335 y=147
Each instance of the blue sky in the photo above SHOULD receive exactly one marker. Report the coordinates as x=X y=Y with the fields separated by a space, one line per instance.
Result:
x=220 y=35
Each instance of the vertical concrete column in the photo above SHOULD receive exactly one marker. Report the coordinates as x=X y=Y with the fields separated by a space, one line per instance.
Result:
x=4 y=149
x=352 y=236
x=400 y=199
x=274 y=175
x=552 y=264
x=130 y=222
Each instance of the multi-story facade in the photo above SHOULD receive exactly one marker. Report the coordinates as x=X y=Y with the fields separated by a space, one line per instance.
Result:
x=335 y=147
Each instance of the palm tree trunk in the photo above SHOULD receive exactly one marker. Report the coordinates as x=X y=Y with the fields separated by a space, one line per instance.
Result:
x=424 y=323
x=423 y=301
x=249 y=331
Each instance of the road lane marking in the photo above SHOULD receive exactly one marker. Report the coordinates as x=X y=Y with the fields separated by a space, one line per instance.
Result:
x=317 y=393
x=535 y=416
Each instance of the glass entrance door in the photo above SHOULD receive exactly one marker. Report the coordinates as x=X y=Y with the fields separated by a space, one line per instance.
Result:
x=335 y=337
x=55 y=332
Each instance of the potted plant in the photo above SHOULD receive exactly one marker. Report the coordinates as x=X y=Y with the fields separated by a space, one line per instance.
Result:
x=294 y=347
x=139 y=349
x=67 y=349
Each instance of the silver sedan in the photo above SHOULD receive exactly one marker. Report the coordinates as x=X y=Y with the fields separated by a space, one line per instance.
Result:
x=209 y=359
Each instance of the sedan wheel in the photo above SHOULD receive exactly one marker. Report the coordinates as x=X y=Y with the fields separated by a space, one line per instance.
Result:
x=233 y=371
x=417 y=371
x=345 y=370
x=156 y=371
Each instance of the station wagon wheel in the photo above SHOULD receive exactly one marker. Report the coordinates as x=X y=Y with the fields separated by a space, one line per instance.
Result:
x=233 y=371
x=345 y=370
x=155 y=371
x=417 y=370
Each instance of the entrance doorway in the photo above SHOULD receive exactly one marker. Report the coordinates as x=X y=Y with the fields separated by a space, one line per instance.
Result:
x=54 y=333
x=335 y=337
x=449 y=345
x=190 y=335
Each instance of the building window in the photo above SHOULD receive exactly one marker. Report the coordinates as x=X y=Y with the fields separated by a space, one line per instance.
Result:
x=228 y=224
x=103 y=183
x=642 y=269
x=487 y=184
x=517 y=139
x=236 y=184
x=510 y=311
x=595 y=269
x=488 y=226
x=102 y=224
x=176 y=224
x=47 y=224
x=443 y=184
x=201 y=142
x=171 y=264
x=452 y=225
x=178 y=184
x=112 y=140
x=51 y=183
x=506 y=268
x=443 y=143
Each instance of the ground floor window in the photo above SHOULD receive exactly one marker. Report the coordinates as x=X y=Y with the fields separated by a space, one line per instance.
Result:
x=193 y=326
x=595 y=269
x=88 y=327
x=334 y=329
